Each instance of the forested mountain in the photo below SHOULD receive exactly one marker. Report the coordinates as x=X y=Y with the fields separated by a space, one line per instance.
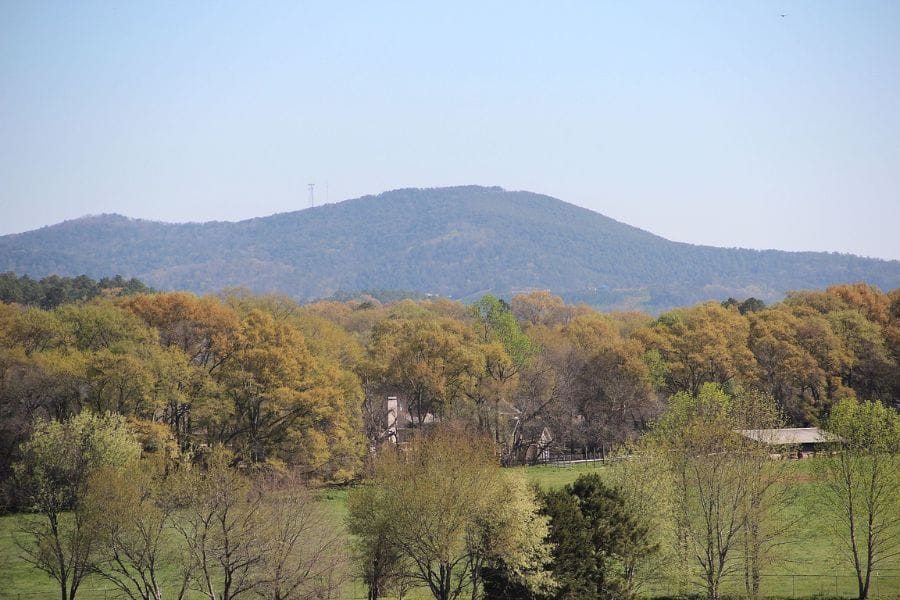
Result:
x=459 y=242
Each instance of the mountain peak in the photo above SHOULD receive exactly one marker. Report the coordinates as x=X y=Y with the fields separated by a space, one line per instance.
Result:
x=457 y=241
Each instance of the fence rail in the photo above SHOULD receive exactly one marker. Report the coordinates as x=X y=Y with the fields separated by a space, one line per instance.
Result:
x=572 y=458
x=886 y=586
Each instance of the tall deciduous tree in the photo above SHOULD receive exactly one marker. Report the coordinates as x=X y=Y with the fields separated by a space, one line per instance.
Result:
x=432 y=361
x=205 y=333
x=221 y=529
x=507 y=352
x=702 y=344
x=862 y=483
x=56 y=464
x=788 y=370
x=612 y=386
x=288 y=406
x=542 y=308
x=133 y=510
x=719 y=480
x=495 y=322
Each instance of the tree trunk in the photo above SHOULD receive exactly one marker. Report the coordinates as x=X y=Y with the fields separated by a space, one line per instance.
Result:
x=444 y=583
x=752 y=559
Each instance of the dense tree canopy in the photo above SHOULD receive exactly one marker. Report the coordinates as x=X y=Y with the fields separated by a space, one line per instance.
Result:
x=303 y=386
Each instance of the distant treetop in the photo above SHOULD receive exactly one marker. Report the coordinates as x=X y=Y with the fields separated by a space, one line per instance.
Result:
x=54 y=290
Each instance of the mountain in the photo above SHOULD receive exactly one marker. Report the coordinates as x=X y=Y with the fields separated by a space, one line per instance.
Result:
x=459 y=242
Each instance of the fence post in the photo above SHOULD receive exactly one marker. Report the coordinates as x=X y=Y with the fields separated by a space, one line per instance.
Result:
x=793 y=586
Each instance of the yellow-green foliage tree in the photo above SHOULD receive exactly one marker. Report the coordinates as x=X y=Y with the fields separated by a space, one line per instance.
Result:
x=862 y=485
x=702 y=344
x=434 y=362
x=249 y=380
x=851 y=333
x=799 y=359
x=57 y=461
x=723 y=497
x=612 y=386
x=285 y=406
x=206 y=333
x=444 y=509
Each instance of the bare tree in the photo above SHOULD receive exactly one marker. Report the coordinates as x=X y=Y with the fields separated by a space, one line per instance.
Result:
x=265 y=536
x=133 y=517
x=221 y=530
x=63 y=547
x=304 y=554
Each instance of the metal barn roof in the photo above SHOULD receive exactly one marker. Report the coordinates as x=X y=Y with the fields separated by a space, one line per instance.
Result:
x=792 y=435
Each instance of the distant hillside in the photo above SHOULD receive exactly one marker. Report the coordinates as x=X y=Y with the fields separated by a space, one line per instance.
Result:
x=460 y=242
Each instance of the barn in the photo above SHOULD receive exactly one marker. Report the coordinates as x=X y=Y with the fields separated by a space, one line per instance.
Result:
x=805 y=441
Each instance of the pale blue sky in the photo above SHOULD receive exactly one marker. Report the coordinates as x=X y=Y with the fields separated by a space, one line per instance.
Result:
x=708 y=122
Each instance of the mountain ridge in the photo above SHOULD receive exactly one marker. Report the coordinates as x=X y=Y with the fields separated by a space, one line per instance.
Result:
x=457 y=241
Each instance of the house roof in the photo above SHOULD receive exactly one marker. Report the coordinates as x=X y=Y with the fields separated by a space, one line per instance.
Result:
x=792 y=435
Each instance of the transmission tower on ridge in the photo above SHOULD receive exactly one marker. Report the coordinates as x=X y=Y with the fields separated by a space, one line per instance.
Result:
x=312 y=196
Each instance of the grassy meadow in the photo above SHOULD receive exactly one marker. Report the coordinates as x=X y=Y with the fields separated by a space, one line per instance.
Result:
x=811 y=565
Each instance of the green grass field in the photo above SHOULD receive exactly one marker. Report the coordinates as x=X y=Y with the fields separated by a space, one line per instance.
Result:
x=811 y=566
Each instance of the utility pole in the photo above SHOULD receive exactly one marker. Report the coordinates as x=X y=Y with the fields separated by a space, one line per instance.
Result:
x=312 y=195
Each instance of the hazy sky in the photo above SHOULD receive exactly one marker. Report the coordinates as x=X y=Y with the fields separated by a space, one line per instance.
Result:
x=713 y=122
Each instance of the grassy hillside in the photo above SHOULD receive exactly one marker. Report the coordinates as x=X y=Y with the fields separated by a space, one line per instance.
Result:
x=812 y=565
x=460 y=242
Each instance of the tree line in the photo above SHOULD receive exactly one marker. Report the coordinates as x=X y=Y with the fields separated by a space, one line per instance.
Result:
x=54 y=290
x=303 y=386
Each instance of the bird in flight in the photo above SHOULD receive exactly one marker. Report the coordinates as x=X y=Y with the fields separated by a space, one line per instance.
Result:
x=783 y=15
